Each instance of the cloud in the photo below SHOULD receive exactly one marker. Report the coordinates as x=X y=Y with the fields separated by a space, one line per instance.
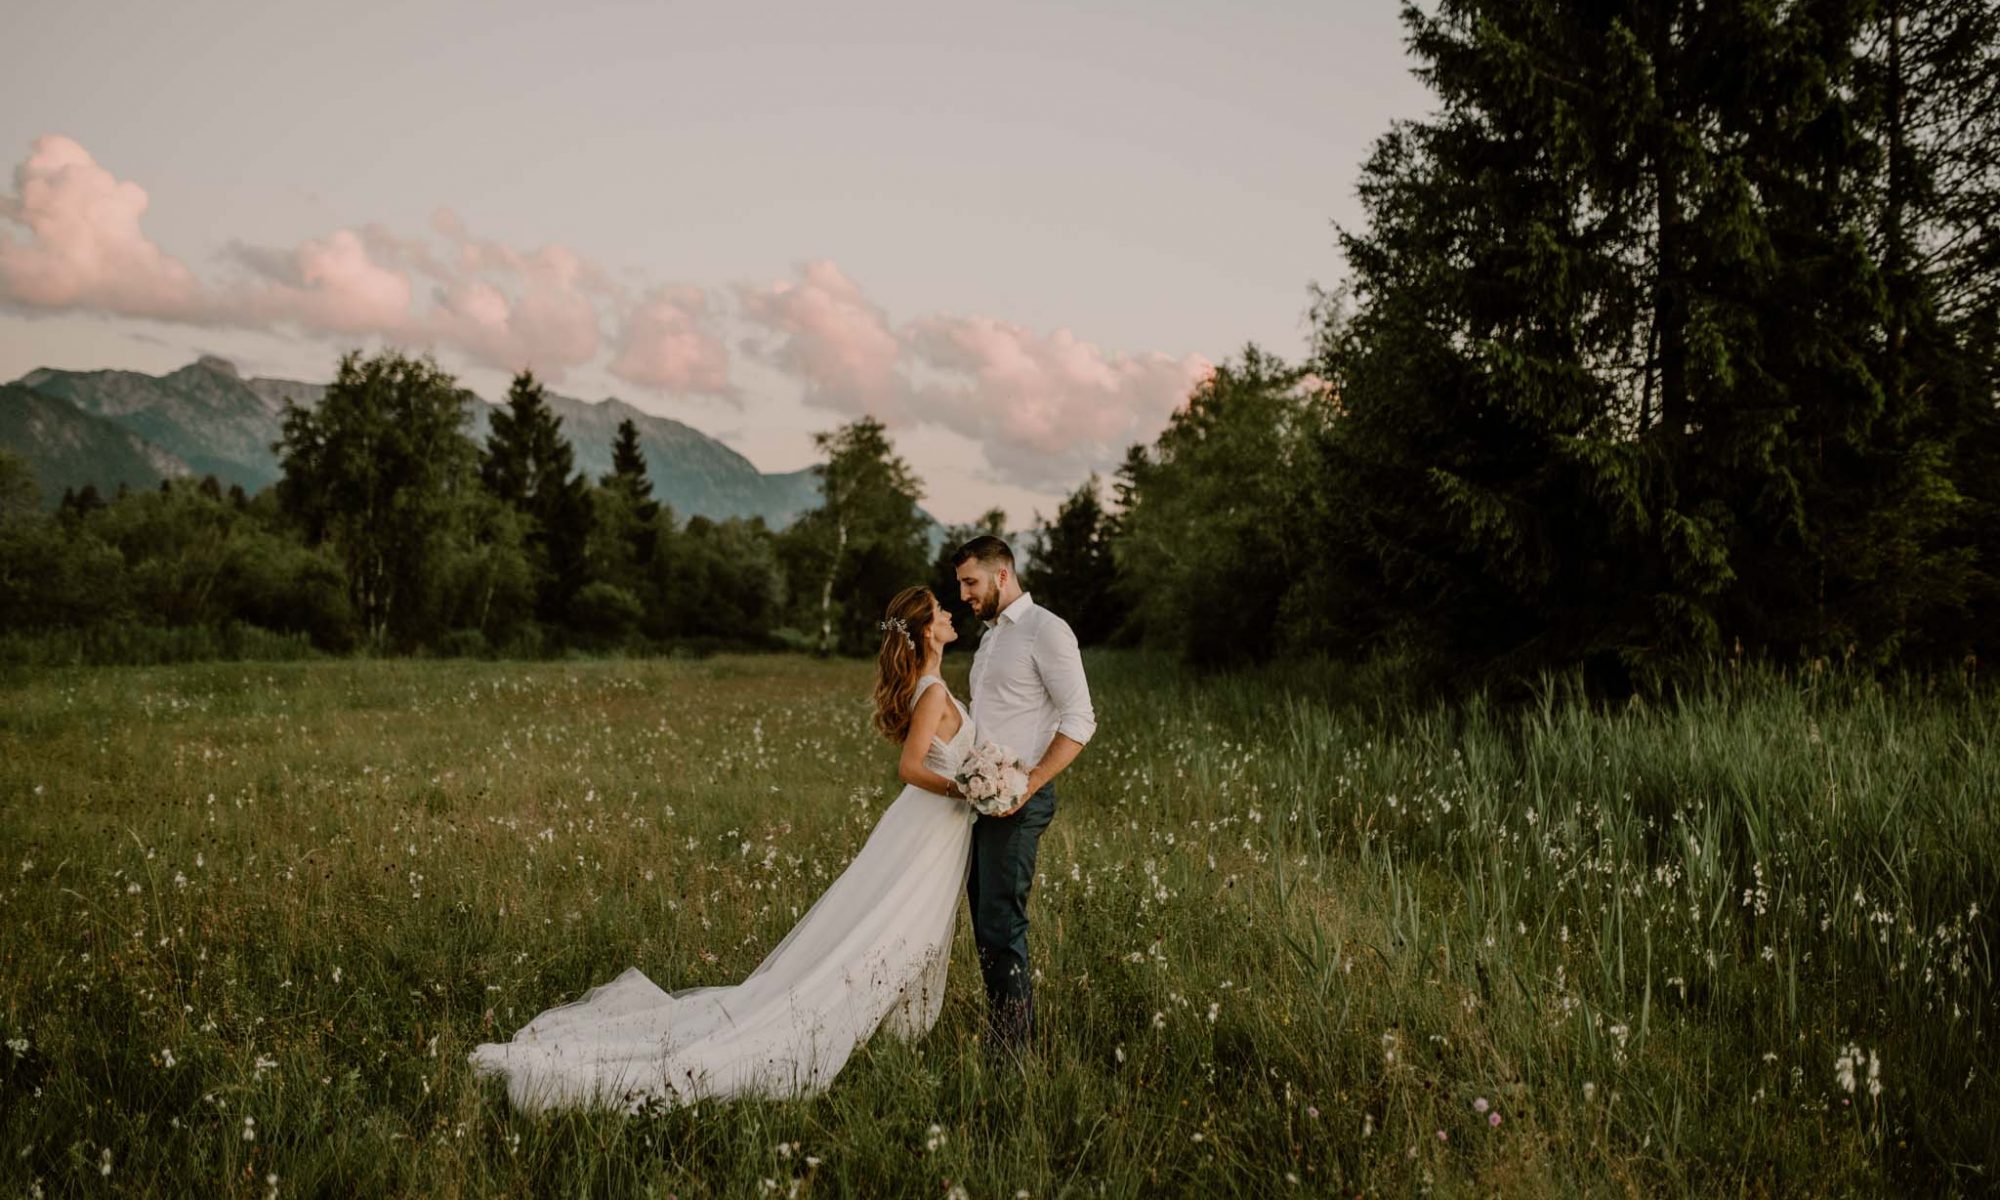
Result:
x=549 y=323
x=499 y=306
x=837 y=342
x=84 y=248
x=669 y=343
x=326 y=285
x=1045 y=408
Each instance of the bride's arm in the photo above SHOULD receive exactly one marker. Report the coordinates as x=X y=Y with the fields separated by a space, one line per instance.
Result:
x=924 y=726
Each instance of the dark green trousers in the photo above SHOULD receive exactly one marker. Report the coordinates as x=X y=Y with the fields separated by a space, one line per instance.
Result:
x=996 y=885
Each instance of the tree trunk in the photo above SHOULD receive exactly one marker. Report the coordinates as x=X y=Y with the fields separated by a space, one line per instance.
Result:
x=826 y=588
x=1895 y=258
x=486 y=597
x=1669 y=303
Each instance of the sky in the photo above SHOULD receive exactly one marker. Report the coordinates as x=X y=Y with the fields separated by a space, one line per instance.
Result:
x=1018 y=234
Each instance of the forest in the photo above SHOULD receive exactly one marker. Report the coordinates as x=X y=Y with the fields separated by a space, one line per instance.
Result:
x=1670 y=335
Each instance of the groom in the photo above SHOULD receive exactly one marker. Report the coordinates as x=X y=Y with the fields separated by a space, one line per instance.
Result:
x=1028 y=695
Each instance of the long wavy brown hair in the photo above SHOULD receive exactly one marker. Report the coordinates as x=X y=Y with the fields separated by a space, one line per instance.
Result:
x=899 y=660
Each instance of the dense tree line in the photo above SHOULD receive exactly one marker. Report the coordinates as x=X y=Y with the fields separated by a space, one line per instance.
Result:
x=1674 y=330
x=1671 y=332
x=393 y=531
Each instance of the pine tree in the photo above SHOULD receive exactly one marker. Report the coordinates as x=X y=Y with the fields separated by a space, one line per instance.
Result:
x=627 y=530
x=628 y=462
x=530 y=465
x=1607 y=312
x=1914 y=568
x=1070 y=568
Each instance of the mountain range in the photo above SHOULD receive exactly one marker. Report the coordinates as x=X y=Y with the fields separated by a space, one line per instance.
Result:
x=112 y=427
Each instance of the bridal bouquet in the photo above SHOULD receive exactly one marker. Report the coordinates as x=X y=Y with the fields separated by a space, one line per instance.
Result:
x=992 y=779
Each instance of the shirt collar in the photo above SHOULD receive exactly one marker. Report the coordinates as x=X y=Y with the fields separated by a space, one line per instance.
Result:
x=1013 y=613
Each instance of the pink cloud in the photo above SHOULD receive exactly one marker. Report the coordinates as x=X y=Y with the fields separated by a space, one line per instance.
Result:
x=833 y=338
x=85 y=249
x=1050 y=408
x=669 y=343
x=340 y=288
x=1046 y=409
x=552 y=324
x=508 y=309
x=500 y=306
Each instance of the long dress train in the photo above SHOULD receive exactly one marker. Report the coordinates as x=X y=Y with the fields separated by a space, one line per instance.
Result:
x=870 y=954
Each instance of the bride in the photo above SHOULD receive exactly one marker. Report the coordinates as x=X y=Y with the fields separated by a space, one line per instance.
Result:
x=870 y=954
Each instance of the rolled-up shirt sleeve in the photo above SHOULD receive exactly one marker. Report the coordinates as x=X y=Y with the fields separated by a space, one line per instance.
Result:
x=1060 y=664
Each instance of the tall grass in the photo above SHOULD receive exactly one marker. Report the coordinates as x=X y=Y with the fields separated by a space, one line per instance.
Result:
x=1291 y=938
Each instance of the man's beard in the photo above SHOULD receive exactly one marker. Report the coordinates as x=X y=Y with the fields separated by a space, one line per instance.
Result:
x=988 y=605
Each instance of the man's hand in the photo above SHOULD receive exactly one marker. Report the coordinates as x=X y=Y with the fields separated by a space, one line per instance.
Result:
x=1035 y=782
x=1061 y=753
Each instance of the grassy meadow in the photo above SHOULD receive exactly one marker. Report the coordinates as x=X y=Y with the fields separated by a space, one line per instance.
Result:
x=1292 y=940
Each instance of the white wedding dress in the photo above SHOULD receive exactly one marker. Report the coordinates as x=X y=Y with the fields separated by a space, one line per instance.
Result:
x=870 y=954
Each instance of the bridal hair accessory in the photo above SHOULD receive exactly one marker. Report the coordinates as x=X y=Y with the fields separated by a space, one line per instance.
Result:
x=897 y=624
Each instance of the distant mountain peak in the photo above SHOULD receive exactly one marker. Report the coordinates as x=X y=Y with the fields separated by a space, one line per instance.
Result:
x=218 y=364
x=208 y=418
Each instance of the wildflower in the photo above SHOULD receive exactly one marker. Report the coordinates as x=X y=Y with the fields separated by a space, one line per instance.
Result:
x=934 y=1137
x=249 y=1129
x=1443 y=1136
x=167 y=1057
x=1480 y=1105
x=1589 y=1092
x=1843 y=1067
x=1493 y=1119
x=104 y=1163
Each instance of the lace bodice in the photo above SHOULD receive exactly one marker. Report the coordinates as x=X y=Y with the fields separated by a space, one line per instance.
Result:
x=944 y=757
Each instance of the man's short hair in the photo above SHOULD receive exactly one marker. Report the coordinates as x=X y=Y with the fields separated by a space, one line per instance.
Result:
x=991 y=552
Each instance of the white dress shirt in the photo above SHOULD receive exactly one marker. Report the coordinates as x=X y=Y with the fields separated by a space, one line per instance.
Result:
x=1027 y=682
